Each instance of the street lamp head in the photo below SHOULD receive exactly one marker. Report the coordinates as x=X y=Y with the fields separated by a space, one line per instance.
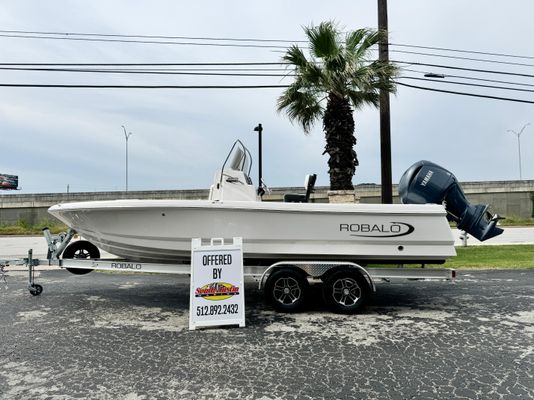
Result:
x=433 y=75
x=126 y=135
x=518 y=134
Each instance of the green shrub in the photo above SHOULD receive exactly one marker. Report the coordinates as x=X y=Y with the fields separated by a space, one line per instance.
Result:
x=24 y=227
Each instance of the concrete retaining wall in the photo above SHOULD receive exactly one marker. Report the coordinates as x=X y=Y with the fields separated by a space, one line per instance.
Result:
x=508 y=198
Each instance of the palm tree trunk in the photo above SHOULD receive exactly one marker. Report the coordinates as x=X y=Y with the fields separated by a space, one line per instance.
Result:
x=338 y=126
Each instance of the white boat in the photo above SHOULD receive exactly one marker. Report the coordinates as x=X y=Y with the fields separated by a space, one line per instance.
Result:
x=161 y=230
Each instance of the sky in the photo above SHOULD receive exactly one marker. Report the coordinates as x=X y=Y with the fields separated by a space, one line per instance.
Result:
x=58 y=139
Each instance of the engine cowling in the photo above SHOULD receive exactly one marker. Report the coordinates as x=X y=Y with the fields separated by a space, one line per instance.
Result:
x=426 y=182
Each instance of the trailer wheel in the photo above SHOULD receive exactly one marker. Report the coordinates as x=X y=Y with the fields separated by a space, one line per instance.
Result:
x=346 y=291
x=286 y=290
x=81 y=249
x=35 y=289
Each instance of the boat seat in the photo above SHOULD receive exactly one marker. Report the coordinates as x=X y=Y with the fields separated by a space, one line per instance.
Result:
x=309 y=185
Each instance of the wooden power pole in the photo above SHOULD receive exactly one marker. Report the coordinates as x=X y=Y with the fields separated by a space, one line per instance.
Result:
x=385 y=121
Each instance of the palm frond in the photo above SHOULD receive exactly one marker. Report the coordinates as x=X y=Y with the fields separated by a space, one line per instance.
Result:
x=324 y=41
x=301 y=104
x=370 y=38
x=296 y=57
x=359 y=99
x=353 y=39
x=313 y=75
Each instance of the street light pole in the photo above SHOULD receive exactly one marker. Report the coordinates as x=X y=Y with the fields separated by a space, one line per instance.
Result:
x=126 y=136
x=519 y=145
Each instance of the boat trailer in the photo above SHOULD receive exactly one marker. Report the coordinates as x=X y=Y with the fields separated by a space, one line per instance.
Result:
x=346 y=285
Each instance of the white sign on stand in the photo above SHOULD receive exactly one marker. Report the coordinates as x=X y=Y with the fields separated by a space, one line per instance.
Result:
x=217 y=294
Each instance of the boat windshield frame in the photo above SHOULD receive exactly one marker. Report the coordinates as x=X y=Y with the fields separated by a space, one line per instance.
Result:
x=245 y=161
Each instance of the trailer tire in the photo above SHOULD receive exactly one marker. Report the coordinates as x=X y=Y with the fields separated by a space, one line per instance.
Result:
x=346 y=291
x=287 y=289
x=80 y=249
x=35 y=289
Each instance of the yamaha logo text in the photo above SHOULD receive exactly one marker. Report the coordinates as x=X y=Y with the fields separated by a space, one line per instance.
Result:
x=386 y=230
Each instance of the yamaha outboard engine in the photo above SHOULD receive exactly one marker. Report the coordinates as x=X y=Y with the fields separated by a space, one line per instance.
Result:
x=426 y=182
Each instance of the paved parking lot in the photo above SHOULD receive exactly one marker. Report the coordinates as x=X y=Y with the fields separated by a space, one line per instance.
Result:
x=125 y=336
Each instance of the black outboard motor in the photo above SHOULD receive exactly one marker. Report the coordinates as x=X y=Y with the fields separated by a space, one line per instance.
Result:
x=426 y=182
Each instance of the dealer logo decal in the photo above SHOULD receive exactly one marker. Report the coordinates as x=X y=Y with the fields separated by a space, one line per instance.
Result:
x=387 y=230
x=217 y=291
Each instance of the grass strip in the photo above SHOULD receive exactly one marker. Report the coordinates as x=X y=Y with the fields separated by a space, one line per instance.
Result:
x=25 y=229
x=514 y=256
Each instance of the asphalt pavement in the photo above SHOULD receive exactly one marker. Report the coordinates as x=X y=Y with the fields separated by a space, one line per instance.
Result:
x=125 y=336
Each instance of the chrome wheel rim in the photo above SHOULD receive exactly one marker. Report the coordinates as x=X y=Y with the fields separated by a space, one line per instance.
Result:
x=82 y=253
x=346 y=292
x=286 y=291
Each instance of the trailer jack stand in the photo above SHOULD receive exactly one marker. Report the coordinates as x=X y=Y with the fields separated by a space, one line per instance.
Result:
x=35 y=289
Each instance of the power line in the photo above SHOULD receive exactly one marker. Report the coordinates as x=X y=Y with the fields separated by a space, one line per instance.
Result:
x=79 y=86
x=464 y=69
x=240 y=45
x=84 y=39
x=94 y=37
x=158 y=36
x=466 y=84
x=222 y=72
x=472 y=78
x=463 y=51
x=465 y=94
x=232 y=74
x=115 y=71
x=252 y=40
x=463 y=58
x=149 y=64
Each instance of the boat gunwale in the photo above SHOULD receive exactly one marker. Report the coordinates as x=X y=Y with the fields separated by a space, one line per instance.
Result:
x=253 y=206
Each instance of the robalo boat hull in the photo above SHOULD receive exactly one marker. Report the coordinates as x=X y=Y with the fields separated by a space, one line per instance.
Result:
x=161 y=230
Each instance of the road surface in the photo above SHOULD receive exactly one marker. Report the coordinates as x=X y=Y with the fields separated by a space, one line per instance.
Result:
x=125 y=336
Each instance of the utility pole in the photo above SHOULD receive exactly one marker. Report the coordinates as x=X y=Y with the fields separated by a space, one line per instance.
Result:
x=126 y=136
x=519 y=145
x=385 y=120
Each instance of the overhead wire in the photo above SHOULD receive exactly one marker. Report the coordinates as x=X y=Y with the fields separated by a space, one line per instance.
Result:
x=144 y=72
x=191 y=64
x=84 y=39
x=157 y=36
x=95 y=37
x=241 y=45
x=465 y=93
x=463 y=51
x=252 y=72
x=252 y=40
x=464 y=68
x=91 y=86
x=465 y=84
x=471 y=78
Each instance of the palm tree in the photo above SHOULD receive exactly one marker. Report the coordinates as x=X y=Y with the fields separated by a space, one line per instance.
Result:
x=340 y=74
